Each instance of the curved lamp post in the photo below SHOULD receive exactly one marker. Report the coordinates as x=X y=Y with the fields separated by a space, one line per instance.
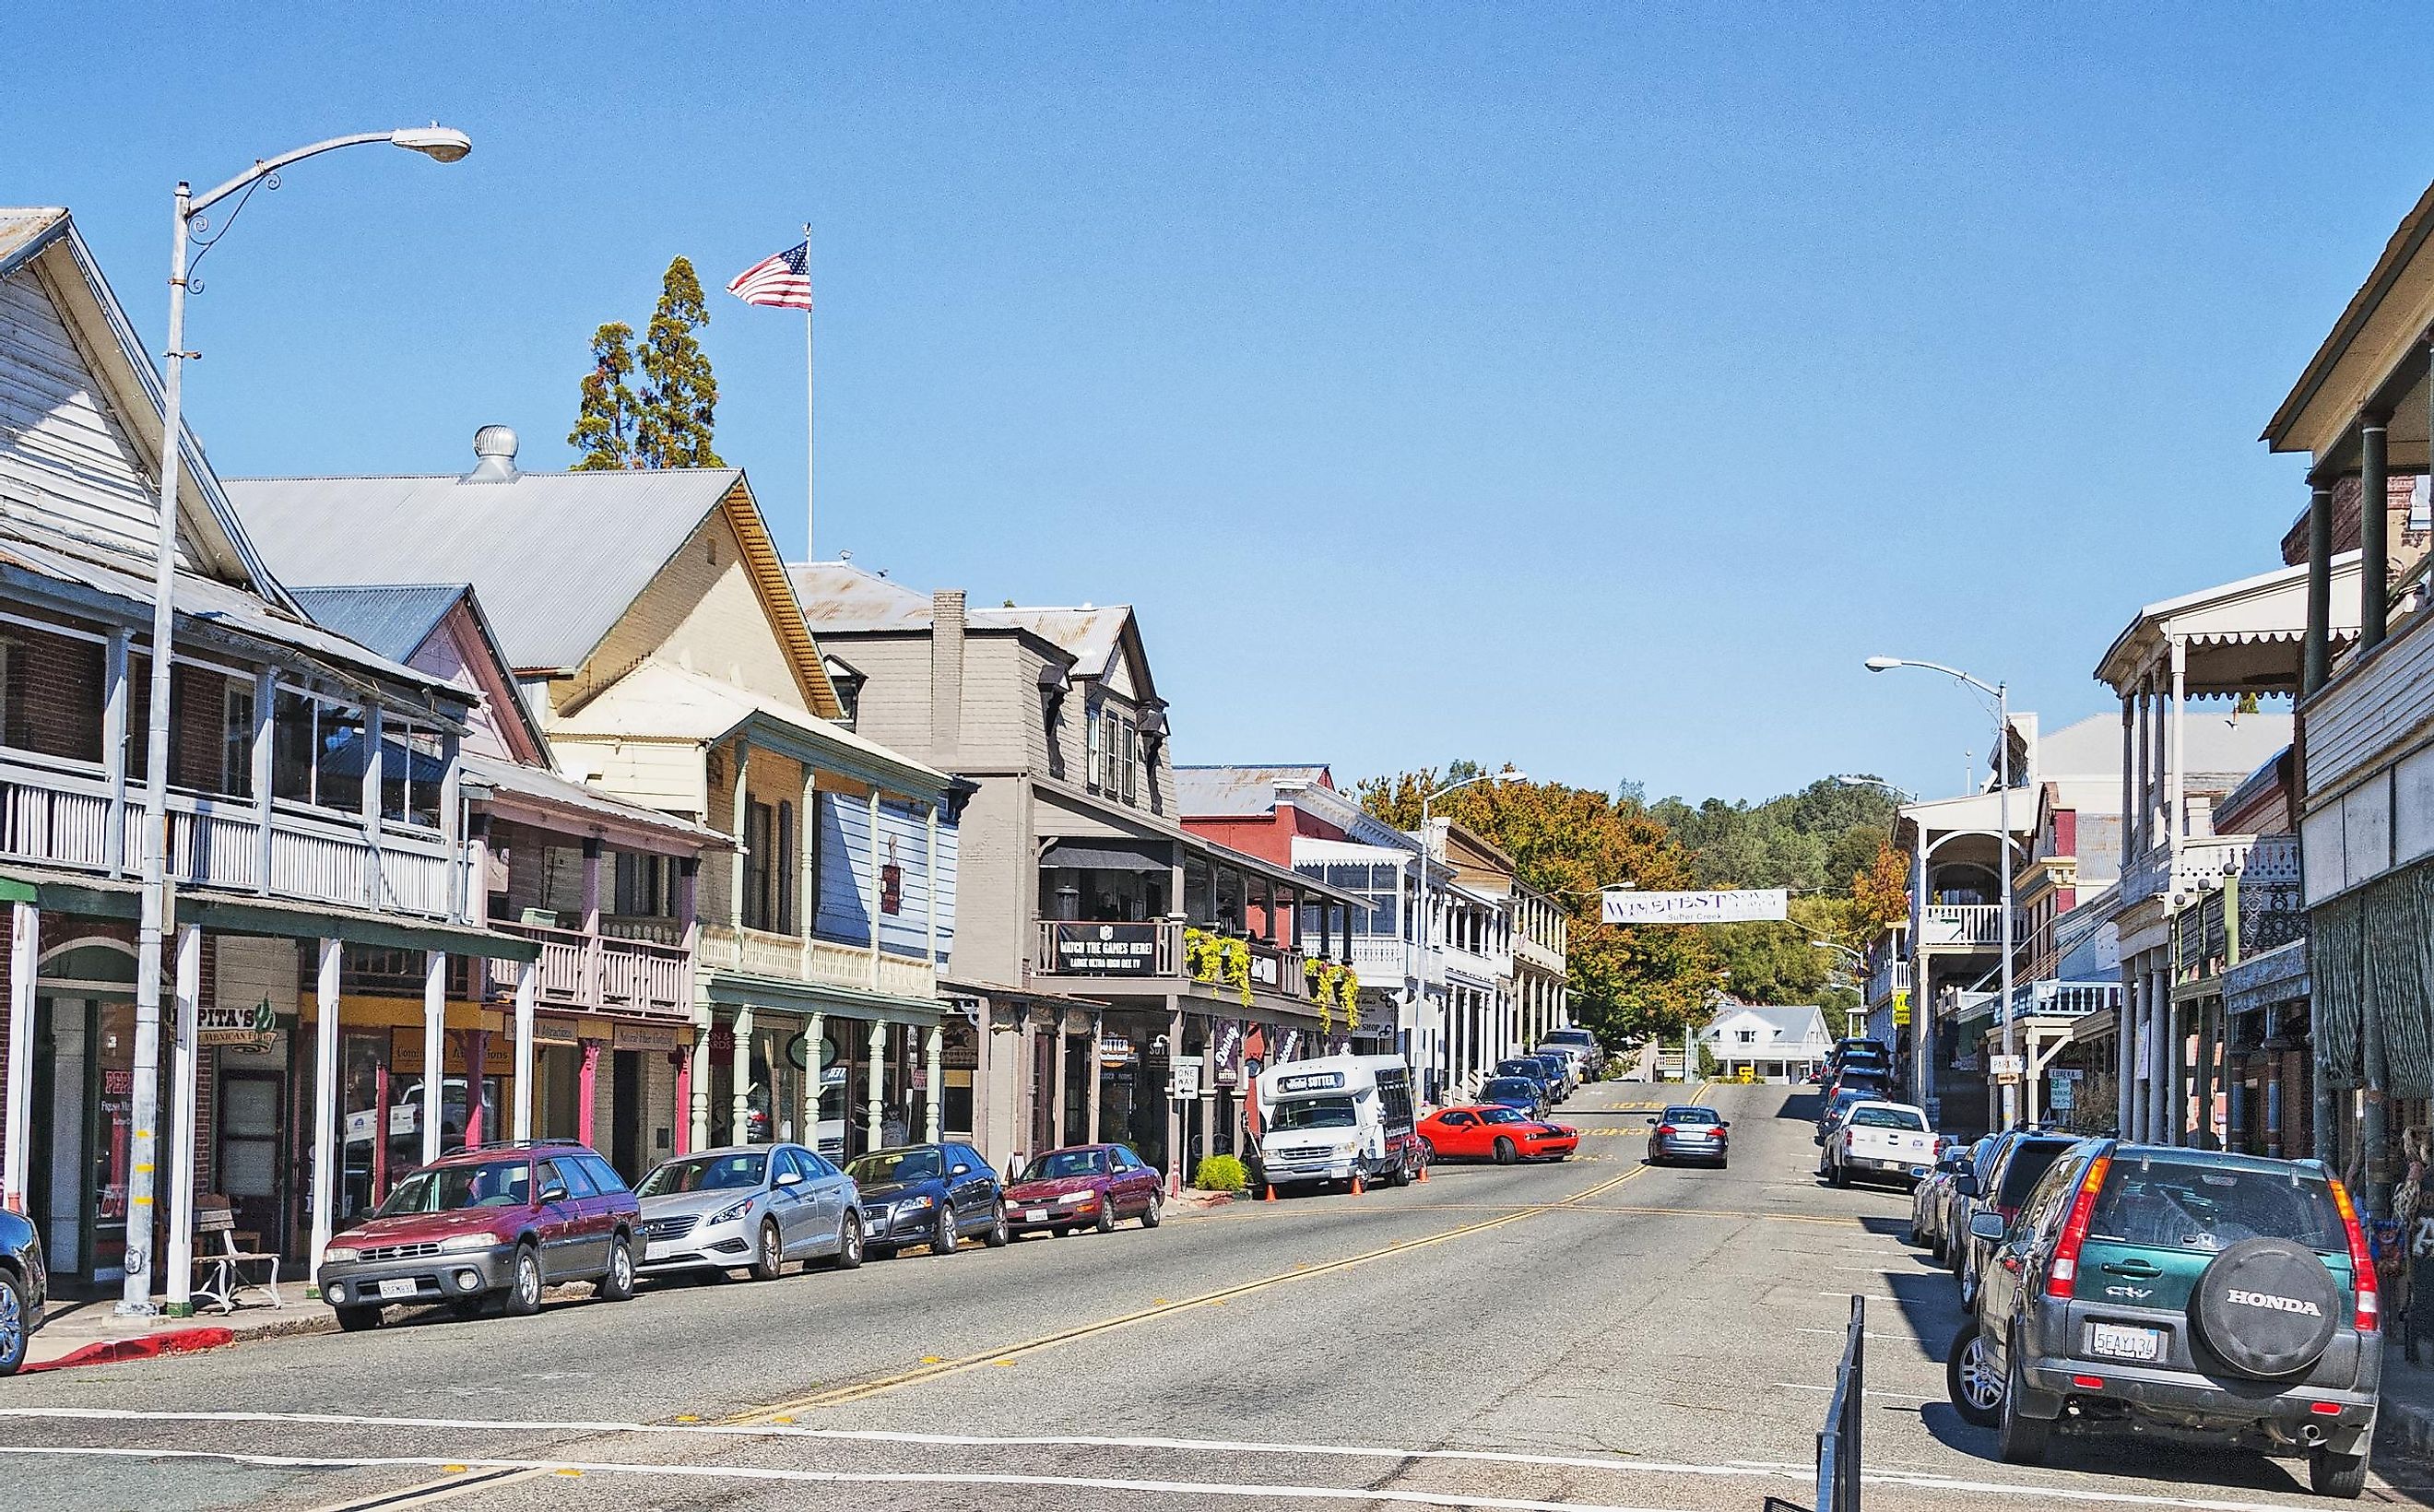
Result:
x=442 y=144
x=2001 y=694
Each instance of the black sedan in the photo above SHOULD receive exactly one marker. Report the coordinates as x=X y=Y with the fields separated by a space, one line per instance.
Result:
x=933 y=1195
x=1687 y=1131
x=23 y=1286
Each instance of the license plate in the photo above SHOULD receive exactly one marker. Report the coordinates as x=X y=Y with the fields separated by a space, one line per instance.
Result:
x=2124 y=1343
x=1034 y=1214
x=401 y=1286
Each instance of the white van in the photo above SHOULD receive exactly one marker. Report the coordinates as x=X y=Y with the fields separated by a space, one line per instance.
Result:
x=1335 y=1117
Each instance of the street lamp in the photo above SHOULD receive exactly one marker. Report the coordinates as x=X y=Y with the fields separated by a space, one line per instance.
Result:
x=442 y=144
x=2003 y=697
x=1428 y=919
x=1857 y=959
x=1900 y=795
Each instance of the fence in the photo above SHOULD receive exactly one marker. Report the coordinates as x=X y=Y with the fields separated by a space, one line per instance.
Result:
x=1838 y=1445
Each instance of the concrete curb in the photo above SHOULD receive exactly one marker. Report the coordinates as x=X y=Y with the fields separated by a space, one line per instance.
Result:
x=2405 y=1422
x=140 y=1346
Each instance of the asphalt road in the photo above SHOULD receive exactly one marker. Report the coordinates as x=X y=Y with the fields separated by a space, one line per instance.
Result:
x=1593 y=1335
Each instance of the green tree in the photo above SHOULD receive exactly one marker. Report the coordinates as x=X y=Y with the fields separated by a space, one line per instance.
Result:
x=680 y=394
x=604 y=422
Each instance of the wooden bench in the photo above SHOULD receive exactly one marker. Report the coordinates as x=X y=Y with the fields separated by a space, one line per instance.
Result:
x=226 y=1260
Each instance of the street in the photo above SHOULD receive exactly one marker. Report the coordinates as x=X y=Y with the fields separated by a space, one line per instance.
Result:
x=1597 y=1333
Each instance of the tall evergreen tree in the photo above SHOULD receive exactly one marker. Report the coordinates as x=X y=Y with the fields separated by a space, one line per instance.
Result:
x=604 y=422
x=679 y=395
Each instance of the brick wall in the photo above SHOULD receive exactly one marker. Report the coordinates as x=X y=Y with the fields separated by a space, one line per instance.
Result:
x=2407 y=547
x=52 y=701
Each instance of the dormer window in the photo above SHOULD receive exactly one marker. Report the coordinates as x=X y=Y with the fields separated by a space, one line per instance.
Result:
x=847 y=683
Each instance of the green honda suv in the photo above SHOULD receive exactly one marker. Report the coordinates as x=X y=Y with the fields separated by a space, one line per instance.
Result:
x=2178 y=1292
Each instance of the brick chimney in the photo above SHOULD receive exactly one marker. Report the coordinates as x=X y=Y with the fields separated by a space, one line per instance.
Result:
x=945 y=674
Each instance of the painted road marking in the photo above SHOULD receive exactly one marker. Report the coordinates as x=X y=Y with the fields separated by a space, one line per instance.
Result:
x=759 y=1472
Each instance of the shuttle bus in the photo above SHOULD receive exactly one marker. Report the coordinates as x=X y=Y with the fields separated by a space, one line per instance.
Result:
x=1337 y=1117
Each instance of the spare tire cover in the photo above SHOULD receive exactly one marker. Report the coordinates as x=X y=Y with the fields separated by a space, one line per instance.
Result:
x=2267 y=1308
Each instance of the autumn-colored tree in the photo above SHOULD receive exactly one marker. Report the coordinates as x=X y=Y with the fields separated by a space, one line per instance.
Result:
x=604 y=422
x=1880 y=891
x=1566 y=842
x=680 y=394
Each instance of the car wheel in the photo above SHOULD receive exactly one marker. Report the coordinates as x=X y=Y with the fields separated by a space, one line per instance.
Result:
x=1428 y=1150
x=523 y=1283
x=1106 y=1223
x=1971 y=1381
x=1000 y=1232
x=1840 y=1177
x=849 y=1249
x=769 y=1255
x=2019 y=1438
x=1156 y=1212
x=2339 y=1475
x=356 y=1319
x=942 y=1233
x=1503 y=1150
x=13 y=1337
x=617 y=1285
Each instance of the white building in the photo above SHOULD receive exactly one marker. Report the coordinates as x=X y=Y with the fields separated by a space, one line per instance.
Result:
x=1781 y=1044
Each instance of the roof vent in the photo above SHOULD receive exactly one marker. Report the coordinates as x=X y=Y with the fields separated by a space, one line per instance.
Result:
x=494 y=456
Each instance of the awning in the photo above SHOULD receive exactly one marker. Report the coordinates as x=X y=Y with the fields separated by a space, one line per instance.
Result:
x=1109 y=855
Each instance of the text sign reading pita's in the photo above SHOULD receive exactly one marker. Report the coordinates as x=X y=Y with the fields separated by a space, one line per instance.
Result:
x=1738 y=906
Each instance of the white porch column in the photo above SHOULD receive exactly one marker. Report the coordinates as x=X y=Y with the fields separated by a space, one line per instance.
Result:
x=704 y=1023
x=527 y=990
x=435 y=1062
x=814 y=1034
x=2125 y=1050
x=186 y=1074
x=739 y=1076
x=17 y=1133
x=934 y=1069
x=2159 y=1038
x=2176 y=744
x=875 y=1083
x=327 y=1153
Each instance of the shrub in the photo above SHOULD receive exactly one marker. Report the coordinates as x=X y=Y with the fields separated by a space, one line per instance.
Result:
x=1220 y=1173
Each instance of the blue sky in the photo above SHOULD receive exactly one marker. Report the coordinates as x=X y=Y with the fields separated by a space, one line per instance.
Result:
x=1590 y=388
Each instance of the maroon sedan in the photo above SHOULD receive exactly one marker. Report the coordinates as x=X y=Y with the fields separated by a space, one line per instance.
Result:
x=1087 y=1184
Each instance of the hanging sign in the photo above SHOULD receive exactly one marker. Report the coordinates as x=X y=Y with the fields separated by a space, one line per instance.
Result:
x=222 y=1023
x=1106 y=950
x=1739 y=906
x=1901 y=1010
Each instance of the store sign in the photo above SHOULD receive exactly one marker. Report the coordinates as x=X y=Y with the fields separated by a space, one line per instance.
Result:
x=1106 y=950
x=2007 y=1068
x=1115 y=1048
x=645 y=1036
x=557 y=1032
x=1229 y=1052
x=229 y=1024
x=1901 y=1010
x=1739 y=906
x=1313 y=1081
x=891 y=882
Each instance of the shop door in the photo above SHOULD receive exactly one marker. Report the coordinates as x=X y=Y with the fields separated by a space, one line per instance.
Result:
x=111 y=1080
x=252 y=1128
x=62 y=1120
x=625 y=1128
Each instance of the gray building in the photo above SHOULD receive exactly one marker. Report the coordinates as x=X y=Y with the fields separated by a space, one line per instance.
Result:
x=1099 y=945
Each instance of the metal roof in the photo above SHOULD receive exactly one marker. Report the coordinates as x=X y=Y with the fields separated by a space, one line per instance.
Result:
x=557 y=557
x=549 y=787
x=1234 y=792
x=393 y=619
x=842 y=598
x=21 y=228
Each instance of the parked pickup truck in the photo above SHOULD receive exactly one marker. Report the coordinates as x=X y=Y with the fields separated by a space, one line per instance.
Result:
x=1878 y=1141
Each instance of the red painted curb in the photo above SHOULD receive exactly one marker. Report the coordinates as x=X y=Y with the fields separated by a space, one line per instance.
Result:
x=145 y=1347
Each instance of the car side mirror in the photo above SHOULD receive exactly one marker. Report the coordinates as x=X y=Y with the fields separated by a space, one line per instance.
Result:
x=1720 y=1124
x=1987 y=1226
x=552 y=1195
x=1965 y=1184
x=790 y=1178
x=1651 y=1122
x=959 y=1170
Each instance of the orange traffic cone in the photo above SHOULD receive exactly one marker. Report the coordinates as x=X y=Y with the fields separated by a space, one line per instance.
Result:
x=1271 y=1196
x=1359 y=1186
x=1423 y=1176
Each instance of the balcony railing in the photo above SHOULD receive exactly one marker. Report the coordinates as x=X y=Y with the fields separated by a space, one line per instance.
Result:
x=578 y=971
x=1966 y=925
x=834 y=963
x=2050 y=999
x=59 y=816
x=1151 y=952
x=1887 y=979
x=2202 y=861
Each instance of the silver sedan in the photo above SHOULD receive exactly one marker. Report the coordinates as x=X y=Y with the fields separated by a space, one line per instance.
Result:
x=752 y=1207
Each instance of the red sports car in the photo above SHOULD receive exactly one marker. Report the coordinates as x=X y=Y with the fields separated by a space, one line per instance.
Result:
x=1493 y=1132
x=1084 y=1186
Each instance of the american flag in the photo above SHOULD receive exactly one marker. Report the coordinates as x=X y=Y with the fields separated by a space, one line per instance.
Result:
x=780 y=282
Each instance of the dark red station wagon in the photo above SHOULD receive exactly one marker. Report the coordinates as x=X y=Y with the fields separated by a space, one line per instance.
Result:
x=497 y=1220
x=1085 y=1186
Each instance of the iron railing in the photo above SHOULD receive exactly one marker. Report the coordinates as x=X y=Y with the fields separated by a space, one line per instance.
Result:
x=1838 y=1444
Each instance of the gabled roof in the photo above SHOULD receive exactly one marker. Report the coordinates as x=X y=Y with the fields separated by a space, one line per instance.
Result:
x=2386 y=314
x=1804 y=1024
x=1238 y=792
x=843 y=599
x=397 y=620
x=558 y=556
x=44 y=243
x=2242 y=637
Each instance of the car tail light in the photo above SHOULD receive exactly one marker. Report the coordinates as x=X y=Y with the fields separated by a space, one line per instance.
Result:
x=2088 y=1382
x=2325 y=1409
x=1666 y=1129
x=2369 y=1300
x=2062 y=1277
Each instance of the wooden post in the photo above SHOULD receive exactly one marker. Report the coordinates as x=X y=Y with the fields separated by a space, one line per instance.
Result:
x=1098 y=1071
x=815 y=1034
x=872 y=1109
x=2374 y=538
x=435 y=1019
x=934 y=1080
x=587 y=1085
x=17 y=1134
x=184 y=1117
x=326 y=1151
x=265 y=708
x=1062 y=1126
x=113 y=749
x=739 y=1076
x=527 y=991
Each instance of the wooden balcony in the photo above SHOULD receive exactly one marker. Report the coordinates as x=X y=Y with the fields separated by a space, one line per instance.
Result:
x=1087 y=957
x=60 y=814
x=601 y=973
x=1967 y=926
x=832 y=963
x=2202 y=861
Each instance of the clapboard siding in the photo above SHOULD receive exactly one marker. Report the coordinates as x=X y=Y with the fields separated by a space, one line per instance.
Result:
x=65 y=460
x=2360 y=721
x=846 y=857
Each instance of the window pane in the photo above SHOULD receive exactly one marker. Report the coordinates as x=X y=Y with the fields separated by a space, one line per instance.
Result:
x=291 y=748
x=339 y=766
x=236 y=740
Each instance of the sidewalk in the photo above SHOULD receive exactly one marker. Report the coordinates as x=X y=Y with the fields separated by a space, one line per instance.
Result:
x=2408 y=1400
x=91 y=1332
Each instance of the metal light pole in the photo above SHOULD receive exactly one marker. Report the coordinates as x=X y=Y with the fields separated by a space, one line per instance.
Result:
x=1428 y=919
x=135 y=1295
x=1855 y=1015
x=2002 y=695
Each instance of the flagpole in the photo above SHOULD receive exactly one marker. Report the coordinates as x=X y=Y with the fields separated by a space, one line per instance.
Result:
x=810 y=411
